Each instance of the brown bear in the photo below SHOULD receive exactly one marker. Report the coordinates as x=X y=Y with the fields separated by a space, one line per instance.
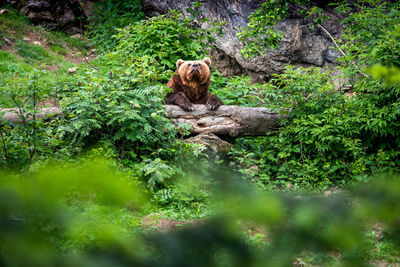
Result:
x=190 y=85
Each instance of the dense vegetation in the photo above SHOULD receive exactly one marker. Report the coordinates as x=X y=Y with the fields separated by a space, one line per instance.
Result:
x=113 y=160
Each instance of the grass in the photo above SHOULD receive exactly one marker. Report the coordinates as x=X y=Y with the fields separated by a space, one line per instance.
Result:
x=58 y=49
x=22 y=60
x=33 y=53
x=13 y=24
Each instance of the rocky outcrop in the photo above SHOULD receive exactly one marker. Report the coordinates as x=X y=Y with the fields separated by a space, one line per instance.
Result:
x=65 y=15
x=299 y=46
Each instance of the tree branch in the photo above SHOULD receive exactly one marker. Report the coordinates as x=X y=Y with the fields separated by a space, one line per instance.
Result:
x=340 y=50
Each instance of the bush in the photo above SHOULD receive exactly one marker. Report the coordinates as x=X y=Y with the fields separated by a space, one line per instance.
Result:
x=118 y=103
x=108 y=17
x=240 y=91
x=334 y=135
x=165 y=39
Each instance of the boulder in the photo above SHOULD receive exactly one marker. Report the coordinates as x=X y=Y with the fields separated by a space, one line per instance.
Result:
x=213 y=143
x=65 y=15
x=300 y=46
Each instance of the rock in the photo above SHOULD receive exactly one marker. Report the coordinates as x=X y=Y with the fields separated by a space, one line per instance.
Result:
x=212 y=142
x=4 y=11
x=66 y=15
x=299 y=46
x=88 y=7
x=72 y=70
x=37 y=43
x=77 y=36
x=331 y=55
x=27 y=39
x=14 y=115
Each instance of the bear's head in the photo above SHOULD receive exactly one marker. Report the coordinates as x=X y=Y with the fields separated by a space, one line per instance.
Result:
x=197 y=71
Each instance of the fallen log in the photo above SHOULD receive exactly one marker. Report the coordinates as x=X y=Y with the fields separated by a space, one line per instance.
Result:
x=231 y=121
x=15 y=115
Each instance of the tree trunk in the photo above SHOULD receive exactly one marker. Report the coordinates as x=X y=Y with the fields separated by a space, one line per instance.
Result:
x=233 y=121
x=14 y=115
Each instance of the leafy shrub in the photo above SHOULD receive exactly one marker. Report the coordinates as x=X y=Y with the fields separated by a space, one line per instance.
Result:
x=328 y=138
x=117 y=103
x=108 y=17
x=375 y=30
x=164 y=39
x=317 y=142
x=240 y=91
x=260 y=35
x=331 y=136
x=23 y=143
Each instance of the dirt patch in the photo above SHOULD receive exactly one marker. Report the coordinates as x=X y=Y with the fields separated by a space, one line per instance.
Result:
x=52 y=68
x=76 y=57
x=51 y=102
x=33 y=37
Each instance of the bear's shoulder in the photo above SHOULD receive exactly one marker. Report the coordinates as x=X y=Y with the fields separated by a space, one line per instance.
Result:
x=175 y=82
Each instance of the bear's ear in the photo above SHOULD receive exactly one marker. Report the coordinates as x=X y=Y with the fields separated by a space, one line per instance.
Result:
x=207 y=61
x=179 y=63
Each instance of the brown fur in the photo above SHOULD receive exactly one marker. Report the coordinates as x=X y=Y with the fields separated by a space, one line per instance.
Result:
x=191 y=84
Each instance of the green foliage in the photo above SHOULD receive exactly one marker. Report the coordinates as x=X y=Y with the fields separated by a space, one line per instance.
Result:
x=91 y=212
x=260 y=35
x=330 y=137
x=240 y=91
x=51 y=216
x=31 y=52
x=259 y=32
x=165 y=39
x=375 y=30
x=108 y=17
x=29 y=140
x=13 y=23
x=389 y=76
x=117 y=103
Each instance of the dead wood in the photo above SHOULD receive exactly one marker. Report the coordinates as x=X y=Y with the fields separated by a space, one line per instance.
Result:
x=231 y=121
